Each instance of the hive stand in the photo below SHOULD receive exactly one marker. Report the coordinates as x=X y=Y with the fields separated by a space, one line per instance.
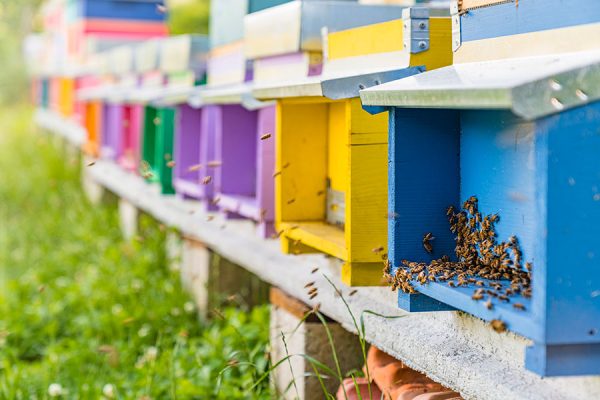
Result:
x=513 y=127
x=331 y=183
x=301 y=338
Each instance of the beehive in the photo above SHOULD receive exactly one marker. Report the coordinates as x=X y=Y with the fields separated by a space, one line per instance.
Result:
x=182 y=60
x=331 y=180
x=120 y=65
x=511 y=124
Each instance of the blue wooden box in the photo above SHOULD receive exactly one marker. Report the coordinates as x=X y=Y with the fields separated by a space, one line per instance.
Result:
x=146 y=10
x=514 y=122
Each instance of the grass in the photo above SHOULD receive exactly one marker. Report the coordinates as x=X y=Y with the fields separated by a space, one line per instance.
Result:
x=85 y=314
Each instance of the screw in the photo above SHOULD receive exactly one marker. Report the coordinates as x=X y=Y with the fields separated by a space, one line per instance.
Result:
x=422 y=45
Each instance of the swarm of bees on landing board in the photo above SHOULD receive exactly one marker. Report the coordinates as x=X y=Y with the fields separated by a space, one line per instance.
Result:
x=493 y=268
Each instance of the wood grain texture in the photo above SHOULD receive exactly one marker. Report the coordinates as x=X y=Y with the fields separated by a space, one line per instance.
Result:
x=337 y=146
x=301 y=140
x=366 y=202
x=377 y=38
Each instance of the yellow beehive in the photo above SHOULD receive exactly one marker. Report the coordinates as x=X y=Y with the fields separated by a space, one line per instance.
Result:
x=331 y=155
x=66 y=96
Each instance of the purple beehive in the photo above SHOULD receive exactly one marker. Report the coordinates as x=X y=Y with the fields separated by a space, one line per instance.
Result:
x=244 y=181
x=111 y=131
x=194 y=152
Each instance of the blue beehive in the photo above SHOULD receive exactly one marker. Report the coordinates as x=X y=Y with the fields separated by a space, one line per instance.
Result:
x=147 y=10
x=514 y=123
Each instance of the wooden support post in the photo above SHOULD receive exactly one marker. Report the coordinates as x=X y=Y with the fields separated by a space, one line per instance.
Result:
x=95 y=193
x=213 y=281
x=128 y=218
x=295 y=379
x=195 y=267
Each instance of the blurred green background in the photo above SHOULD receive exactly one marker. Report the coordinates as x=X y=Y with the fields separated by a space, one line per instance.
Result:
x=20 y=17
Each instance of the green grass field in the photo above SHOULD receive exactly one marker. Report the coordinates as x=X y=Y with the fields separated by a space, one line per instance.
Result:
x=87 y=315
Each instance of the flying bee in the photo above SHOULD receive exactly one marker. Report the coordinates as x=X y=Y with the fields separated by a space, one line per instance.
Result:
x=312 y=296
x=320 y=193
x=291 y=201
x=519 y=306
x=206 y=180
x=265 y=136
x=214 y=164
x=352 y=293
x=378 y=250
x=314 y=270
x=276 y=174
x=195 y=167
x=427 y=242
x=489 y=305
x=171 y=164
x=309 y=284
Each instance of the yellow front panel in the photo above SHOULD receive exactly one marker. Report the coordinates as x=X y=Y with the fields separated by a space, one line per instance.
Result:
x=364 y=123
x=66 y=96
x=366 y=202
x=371 y=39
x=301 y=161
x=337 y=146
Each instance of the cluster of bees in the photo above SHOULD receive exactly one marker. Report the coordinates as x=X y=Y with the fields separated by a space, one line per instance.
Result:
x=494 y=268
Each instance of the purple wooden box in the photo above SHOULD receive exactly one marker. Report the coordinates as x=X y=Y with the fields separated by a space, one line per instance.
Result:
x=223 y=142
x=112 y=127
x=244 y=181
x=194 y=151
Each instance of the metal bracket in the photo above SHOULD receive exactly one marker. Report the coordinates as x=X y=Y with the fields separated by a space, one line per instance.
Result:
x=455 y=15
x=416 y=29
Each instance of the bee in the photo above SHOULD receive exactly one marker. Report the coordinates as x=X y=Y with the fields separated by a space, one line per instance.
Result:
x=161 y=8
x=286 y=165
x=427 y=242
x=312 y=296
x=214 y=164
x=206 y=180
x=313 y=290
x=291 y=201
x=210 y=217
x=352 y=293
x=377 y=250
x=450 y=211
x=309 y=284
x=519 y=306
x=316 y=308
x=314 y=270
x=215 y=201
x=477 y=296
x=91 y=163
x=171 y=164
x=320 y=193
x=489 y=305
x=276 y=174
x=265 y=136
x=498 y=326
x=451 y=284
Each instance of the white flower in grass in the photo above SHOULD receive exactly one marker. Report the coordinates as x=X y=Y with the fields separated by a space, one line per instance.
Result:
x=175 y=312
x=151 y=353
x=137 y=285
x=55 y=390
x=144 y=330
x=189 y=307
x=117 y=309
x=109 y=391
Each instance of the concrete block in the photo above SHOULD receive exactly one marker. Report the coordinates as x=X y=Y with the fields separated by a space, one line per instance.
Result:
x=294 y=379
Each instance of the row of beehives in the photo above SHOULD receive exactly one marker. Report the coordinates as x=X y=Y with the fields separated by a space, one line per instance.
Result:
x=356 y=143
